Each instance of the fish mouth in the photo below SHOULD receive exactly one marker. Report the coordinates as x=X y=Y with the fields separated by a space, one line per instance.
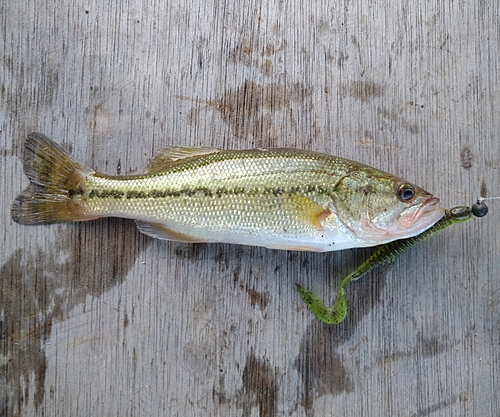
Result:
x=421 y=216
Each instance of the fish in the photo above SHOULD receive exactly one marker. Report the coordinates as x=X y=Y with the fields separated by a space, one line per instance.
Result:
x=278 y=198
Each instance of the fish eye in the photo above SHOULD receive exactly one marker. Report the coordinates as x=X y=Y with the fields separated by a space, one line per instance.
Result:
x=405 y=191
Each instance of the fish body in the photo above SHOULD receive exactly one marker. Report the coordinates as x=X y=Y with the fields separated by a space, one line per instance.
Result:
x=277 y=198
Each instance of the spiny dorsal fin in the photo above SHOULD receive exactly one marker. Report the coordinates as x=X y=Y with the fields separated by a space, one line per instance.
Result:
x=165 y=157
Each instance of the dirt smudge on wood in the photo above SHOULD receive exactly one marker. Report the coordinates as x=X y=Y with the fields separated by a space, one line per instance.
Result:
x=363 y=90
x=193 y=116
x=256 y=53
x=395 y=119
x=466 y=157
x=100 y=121
x=23 y=331
x=484 y=190
x=319 y=365
x=432 y=346
x=257 y=298
x=42 y=288
x=256 y=111
x=249 y=109
x=342 y=58
x=259 y=387
x=424 y=347
x=436 y=407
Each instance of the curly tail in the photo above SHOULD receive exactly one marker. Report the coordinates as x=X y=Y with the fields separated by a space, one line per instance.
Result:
x=57 y=184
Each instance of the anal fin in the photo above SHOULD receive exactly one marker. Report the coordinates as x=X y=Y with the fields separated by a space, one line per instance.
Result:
x=296 y=247
x=160 y=231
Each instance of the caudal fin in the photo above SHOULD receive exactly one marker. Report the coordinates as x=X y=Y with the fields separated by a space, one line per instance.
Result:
x=57 y=184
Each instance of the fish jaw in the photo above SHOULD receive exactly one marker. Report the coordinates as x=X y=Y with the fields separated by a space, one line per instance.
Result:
x=418 y=218
x=411 y=221
x=408 y=216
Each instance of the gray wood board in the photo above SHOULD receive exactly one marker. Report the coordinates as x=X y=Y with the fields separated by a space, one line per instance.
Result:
x=97 y=319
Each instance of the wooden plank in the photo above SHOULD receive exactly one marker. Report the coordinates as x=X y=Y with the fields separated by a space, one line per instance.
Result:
x=97 y=319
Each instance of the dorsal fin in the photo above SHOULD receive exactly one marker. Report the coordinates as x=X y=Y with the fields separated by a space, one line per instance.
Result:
x=165 y=157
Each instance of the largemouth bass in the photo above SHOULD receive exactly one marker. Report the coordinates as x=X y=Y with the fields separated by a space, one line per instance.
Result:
x=277 y=198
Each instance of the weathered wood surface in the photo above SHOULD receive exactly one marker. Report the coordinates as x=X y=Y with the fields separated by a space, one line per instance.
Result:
x=99 y=320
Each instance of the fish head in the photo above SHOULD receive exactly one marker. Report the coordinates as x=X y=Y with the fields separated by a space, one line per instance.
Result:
x=377 y=207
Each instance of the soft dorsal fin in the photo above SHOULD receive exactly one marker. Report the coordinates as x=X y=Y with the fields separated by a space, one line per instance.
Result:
x=165 y=157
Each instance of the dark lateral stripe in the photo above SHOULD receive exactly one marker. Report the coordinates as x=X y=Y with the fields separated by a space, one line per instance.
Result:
x=106 y=194
x=219 y=192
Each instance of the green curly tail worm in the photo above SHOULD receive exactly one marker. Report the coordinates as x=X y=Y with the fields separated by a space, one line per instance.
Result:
x=384 y=254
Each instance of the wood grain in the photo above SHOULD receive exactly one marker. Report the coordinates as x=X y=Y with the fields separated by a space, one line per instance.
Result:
x=97 y=319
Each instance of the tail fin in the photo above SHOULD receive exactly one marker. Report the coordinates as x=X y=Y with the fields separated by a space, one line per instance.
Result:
x=57 y=184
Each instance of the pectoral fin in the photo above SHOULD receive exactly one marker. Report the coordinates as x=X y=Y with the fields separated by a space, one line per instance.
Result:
x=307 y=210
